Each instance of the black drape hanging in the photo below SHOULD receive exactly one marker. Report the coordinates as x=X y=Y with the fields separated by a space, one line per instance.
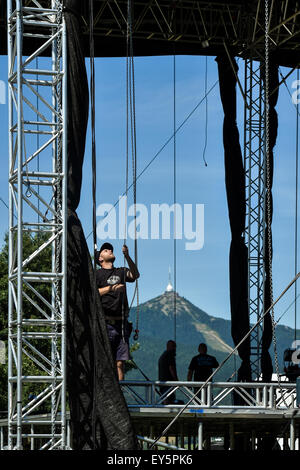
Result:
x=99 y=415
x=235 y=190
x=266 y=361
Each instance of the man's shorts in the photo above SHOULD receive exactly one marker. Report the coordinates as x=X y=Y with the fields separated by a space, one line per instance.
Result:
x=119 y=345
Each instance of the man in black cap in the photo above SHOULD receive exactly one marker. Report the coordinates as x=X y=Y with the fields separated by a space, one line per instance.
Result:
x=111 y=283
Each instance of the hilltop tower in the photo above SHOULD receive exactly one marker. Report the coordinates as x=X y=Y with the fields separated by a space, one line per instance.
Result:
x=169 y=287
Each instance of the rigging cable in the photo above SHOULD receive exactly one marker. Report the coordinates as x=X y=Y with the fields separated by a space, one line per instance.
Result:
x=93 y=137
x=206 y=113
x=174 y=193
x=296 y=205
x=163 y=146
x=268 y=189
x=130 y=108
x=209 y=379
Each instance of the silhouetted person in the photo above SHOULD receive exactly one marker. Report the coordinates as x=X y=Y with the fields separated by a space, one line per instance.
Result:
x=167 y=369
x=202 y=365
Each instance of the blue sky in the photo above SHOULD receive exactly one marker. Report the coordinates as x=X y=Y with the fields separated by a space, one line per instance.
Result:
x=202 y=276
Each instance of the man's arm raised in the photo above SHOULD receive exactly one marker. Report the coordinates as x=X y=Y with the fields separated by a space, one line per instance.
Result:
x=133 y=272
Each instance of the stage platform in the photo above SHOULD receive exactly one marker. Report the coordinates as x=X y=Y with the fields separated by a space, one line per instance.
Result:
x=265 y=412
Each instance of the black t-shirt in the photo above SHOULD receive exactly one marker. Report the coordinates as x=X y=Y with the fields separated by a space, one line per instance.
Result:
x=112 y=301
x=202 y=365
x=166 y=360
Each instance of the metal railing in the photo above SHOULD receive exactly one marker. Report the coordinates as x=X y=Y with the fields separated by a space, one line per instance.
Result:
x=219 y=396
x=214 y=395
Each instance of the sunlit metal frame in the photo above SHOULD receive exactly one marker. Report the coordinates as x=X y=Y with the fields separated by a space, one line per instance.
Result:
x=144 y=398
x=28 y=212
x=213 y=395
x=254 y=165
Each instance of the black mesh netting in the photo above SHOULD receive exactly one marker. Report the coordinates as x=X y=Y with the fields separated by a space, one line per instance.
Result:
x=235 y=189
x=99 y=415
x=266 y=361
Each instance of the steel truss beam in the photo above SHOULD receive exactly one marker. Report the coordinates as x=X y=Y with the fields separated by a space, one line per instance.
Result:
x=189 y=27
x=37 y=207
x=207 y=23
x=254 y=164
x=164 y=20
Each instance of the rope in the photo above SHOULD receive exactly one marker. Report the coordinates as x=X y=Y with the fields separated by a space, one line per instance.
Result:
x=268 y=187
x=206 y=113
x=94 y=171
x=296 y=205
x=163 y=146
x=174 y=193
x=130 y=109
x=92 y=96
x=286 y=310
x=225 y=360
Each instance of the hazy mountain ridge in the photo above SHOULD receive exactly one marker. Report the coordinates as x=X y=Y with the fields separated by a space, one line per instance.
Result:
x=193 y=326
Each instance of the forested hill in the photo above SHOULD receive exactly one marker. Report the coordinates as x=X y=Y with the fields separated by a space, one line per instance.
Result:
x=193 y=326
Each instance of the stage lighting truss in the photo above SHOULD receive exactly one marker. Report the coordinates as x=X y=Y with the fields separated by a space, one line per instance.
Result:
x=203 y=23
x=37 y=223
x=254 y=163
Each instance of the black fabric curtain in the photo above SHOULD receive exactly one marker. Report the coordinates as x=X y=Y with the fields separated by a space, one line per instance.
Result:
x=235 y=190
x=99 y=415
x=266 y=361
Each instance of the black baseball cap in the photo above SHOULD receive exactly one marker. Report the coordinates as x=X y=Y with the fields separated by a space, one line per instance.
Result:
x=105 y=246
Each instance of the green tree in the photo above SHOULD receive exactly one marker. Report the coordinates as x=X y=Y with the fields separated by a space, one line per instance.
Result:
x=42 y=262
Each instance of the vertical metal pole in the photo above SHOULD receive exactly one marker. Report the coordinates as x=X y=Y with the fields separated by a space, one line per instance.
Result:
x=271 y=397
x=20 y=225
x=152 y=395
x=32 y=438
x=68 y=434
x=55 y=226
x=209 y=394
x=64 y=238
x=254 y=163
x=54 y=245
x=203 y=396
x=11 y=212
x=200 y=435
x=292 y=434
x=1 y=438
x=257 y=394
x=265 y=396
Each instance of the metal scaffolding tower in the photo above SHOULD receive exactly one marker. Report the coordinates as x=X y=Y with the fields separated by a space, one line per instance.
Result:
x=37 y=212
x=254 y=161
x=37 y=170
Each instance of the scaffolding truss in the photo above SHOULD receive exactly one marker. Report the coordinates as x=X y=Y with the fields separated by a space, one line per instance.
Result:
x=204 y=25
x=37 y=174
x=37 y=222
x=254 y=164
